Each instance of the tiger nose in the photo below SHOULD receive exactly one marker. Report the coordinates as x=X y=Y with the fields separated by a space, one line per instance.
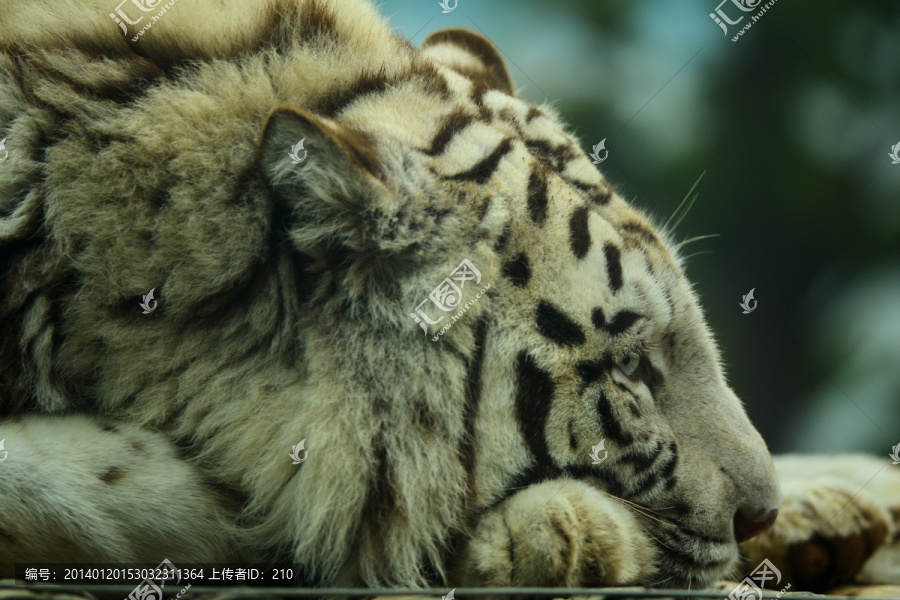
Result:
x=746 y=527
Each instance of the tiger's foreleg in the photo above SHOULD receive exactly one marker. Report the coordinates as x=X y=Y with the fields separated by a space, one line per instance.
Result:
x=77 y=489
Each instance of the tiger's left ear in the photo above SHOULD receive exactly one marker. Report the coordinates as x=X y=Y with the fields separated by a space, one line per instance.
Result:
x=470 y=54
x=325 y=173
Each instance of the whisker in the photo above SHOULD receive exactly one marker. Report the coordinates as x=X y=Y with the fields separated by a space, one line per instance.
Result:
x=652 y=583
x=665 y=227
x=664 y=545
x=627 y=502
x=697 y=239
x=689 y=256
x=685 y=212
x=640 y=510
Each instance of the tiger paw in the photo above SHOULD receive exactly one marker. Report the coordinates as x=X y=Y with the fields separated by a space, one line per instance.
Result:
x=824 y=534
x=557 y=533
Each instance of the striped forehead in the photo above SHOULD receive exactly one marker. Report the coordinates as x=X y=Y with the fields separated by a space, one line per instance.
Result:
x=593 y=247
x=595 y=282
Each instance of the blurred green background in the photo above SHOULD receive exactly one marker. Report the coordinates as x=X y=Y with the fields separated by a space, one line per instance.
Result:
x=793 y=124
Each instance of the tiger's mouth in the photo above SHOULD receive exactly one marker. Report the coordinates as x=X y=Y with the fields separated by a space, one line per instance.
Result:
x=691 y=559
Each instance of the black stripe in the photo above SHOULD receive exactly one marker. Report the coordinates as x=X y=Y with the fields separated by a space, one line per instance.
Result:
x=645 y=484
x=377 y=82
x=533 y=113
x=501 y=242
x=518 y=270
x=622 y=321
x=425 y=419
x=481 y=208
x=124 y=405
x=632 y=404
x=556 y=156
x=610 y=424
x=554 y=325
x=650 y=375
x=579 y=236
x=611 y=481
x=669 y=341
x=380 y=502
x=597 y=318
x=342 y=97
x=667 y=469
x=534 y=396
x=597 y=194
x=591 y=370
x=531 y=476
x=681 y=509
x=639 y=460
x=473 y=398
x=613 y=266
x=479 y=89
x=639 y=230
x=453 y=124
x=483 y=169
x=537 y=196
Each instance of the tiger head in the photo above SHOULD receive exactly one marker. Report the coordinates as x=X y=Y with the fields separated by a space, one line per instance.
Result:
x=469 y=229
x=380 y=242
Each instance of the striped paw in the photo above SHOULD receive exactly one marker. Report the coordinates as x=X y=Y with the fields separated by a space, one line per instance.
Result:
x=557 y=533
x=824 y=534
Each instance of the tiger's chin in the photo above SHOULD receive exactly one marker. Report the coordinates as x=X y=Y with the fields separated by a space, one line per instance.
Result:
x=695 y=565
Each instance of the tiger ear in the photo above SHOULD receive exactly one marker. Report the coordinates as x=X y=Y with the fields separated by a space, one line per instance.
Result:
x=325 y=173
x=470 y=54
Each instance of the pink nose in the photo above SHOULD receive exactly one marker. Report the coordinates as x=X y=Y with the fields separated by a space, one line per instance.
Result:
x=745 y=528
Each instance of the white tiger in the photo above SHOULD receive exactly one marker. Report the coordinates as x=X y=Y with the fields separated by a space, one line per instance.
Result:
x=285 y=286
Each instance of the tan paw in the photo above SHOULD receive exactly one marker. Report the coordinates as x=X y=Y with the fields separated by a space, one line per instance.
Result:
x=557 y=533
x=824 y=534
